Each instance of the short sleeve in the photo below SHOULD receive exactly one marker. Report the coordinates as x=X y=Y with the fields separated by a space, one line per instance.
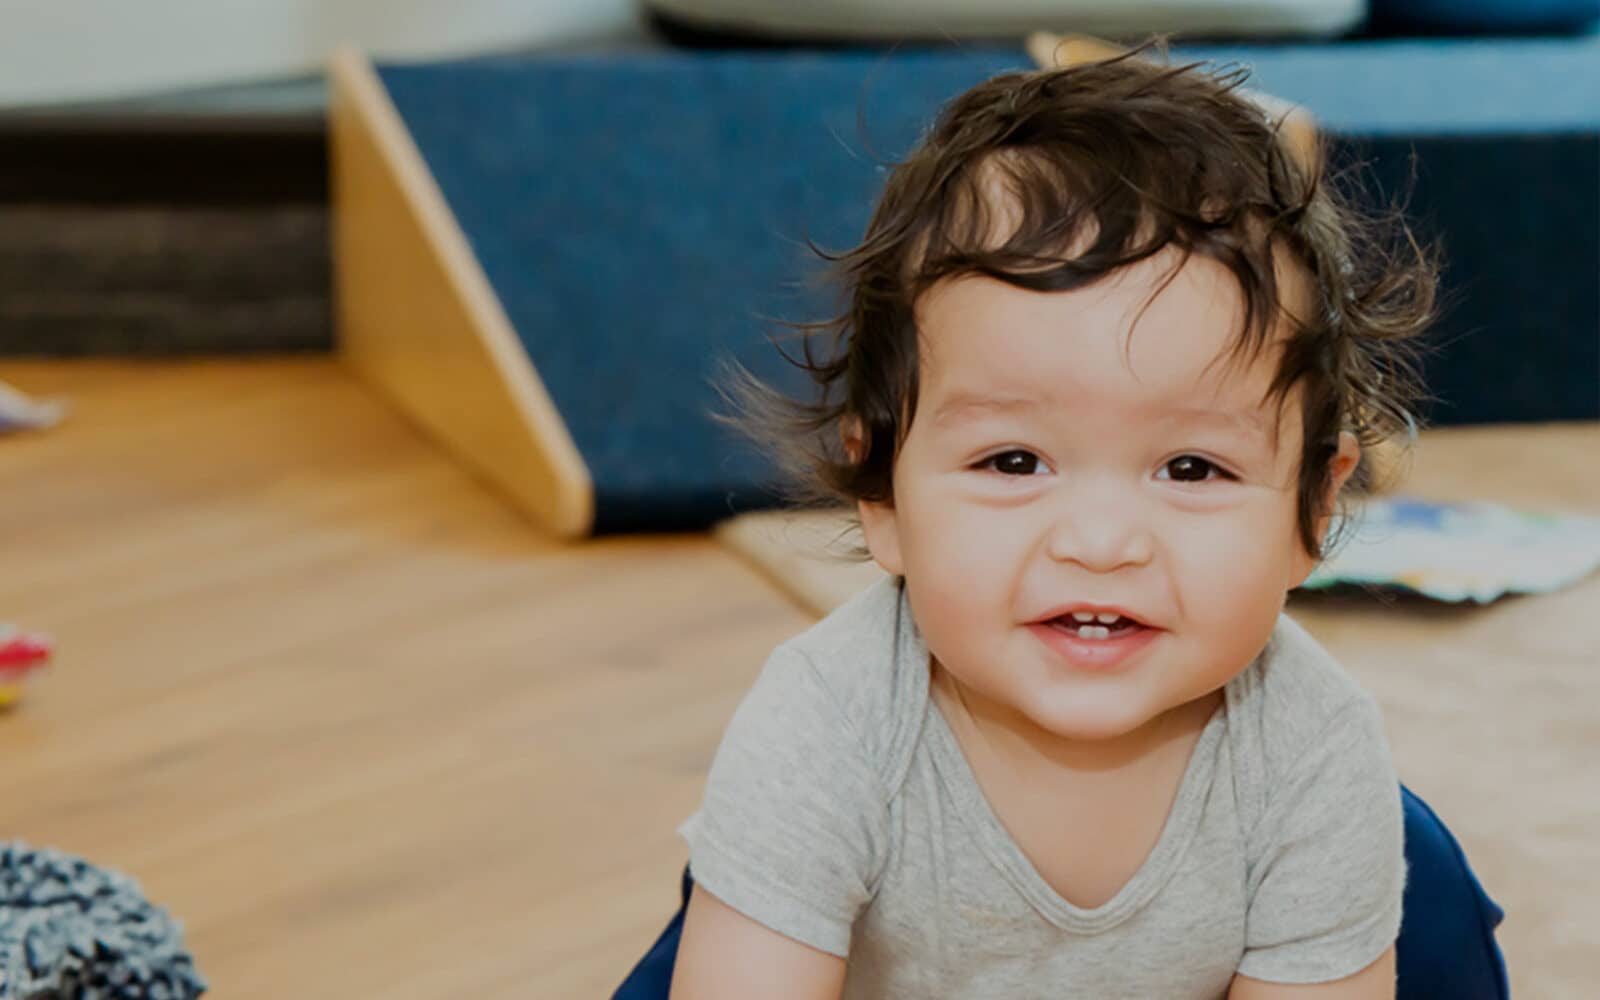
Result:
x=1328 y=867
x=792 y=822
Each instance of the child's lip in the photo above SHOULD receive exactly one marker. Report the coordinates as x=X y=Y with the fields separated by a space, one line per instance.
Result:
x=1095 y=654
x=1067 y=609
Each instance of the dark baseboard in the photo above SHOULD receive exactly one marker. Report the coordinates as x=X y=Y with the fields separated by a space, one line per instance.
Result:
x=163 y=234
x=169 y=159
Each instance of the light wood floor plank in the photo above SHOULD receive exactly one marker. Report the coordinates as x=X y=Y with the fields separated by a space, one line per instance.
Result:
x=355 y=722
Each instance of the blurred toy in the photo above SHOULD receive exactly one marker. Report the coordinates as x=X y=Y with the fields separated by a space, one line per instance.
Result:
x=71 y=929
x=19 y=412
x=20 y=655
x=1461 y=551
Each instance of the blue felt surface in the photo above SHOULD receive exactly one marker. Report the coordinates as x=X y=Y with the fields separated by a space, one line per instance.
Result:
x=1415 y=87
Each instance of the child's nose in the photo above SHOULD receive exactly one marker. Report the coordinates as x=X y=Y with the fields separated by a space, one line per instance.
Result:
x=1101 y=536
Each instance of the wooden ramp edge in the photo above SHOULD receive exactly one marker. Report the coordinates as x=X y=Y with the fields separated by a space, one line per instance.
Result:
x=416 y=318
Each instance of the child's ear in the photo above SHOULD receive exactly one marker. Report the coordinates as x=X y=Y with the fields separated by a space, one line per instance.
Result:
x=879 y=526
x=1342 y=464
x=1340 y=467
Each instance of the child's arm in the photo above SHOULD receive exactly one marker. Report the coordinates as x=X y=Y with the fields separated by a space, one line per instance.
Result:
x=725 y=954
x=1327 y=866
x=789 y=840
x=1375 y=982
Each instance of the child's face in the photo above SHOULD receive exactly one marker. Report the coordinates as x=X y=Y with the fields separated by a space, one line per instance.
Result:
x=1070 y=489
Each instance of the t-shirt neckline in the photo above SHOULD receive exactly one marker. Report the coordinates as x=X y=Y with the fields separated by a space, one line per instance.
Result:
x=1183 y=820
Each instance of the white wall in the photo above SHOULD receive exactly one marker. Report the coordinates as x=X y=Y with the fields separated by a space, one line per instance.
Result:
x=61 y=50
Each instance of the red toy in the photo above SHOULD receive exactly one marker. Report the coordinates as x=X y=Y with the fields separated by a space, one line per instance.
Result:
x=20 y=655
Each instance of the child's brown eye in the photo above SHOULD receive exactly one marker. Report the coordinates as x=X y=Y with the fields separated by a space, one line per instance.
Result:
x=1193 y=469
x=1013 y=463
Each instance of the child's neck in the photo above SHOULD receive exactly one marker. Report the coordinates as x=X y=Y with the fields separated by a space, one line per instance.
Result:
x=1025 y=749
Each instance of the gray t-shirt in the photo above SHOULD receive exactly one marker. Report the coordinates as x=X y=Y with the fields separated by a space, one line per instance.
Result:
x=841 y=812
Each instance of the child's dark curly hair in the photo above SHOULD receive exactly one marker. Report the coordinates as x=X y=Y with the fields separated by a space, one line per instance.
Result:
x=1137 y=155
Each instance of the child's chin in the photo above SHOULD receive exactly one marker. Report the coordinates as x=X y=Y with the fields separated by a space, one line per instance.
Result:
x=1087 y=728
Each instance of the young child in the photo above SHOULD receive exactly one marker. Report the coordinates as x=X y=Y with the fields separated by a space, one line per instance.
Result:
x=1111 y=355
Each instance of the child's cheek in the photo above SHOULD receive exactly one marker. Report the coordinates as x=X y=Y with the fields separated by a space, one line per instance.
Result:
x=963 y=562
x=1227 y=565
x=977 y=541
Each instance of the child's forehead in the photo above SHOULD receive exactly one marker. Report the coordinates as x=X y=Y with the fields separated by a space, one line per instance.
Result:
x=990 y=351
x=972 y=404
x=1182 y=314
x=974 y=396
x=1175 y=309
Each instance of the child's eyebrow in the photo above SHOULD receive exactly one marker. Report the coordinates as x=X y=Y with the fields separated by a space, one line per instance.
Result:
x=1251 y=423
x=963 y=404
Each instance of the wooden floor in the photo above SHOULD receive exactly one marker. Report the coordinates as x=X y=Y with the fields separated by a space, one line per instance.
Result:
x=352 y=721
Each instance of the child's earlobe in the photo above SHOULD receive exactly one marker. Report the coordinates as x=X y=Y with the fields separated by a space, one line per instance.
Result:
x=850 y=435
x=881 y=531
x=1343 y=463
x=1340 y=467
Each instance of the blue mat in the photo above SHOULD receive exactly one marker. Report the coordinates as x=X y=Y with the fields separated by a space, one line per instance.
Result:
x=1412 y=88
x=640 y=216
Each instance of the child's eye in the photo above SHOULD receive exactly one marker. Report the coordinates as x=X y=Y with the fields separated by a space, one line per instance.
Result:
x=1193 y=469
x=1012 y=463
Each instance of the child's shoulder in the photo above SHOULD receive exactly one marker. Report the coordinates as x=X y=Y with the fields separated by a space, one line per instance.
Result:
x=864 y=625
x=866 y=657
x=1292 y=692
x=1296 y=668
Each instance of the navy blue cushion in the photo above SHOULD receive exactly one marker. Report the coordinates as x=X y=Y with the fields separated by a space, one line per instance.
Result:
x=1446 y=948
x=1484 y=15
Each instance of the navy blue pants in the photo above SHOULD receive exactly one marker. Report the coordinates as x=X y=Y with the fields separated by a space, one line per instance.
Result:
x=1446 y=946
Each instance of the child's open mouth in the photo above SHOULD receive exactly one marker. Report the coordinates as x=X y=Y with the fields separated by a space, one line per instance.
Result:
x=1121 y=626
x=1094 y=645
